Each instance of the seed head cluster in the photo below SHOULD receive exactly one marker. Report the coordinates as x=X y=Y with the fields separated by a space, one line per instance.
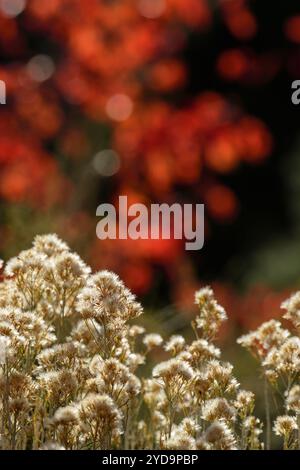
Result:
x=74 y=373
x=278 y=351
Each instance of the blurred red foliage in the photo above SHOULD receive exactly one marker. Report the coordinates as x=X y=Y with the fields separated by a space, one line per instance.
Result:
x=239 y=19
x=292 y=29
x=117 y=63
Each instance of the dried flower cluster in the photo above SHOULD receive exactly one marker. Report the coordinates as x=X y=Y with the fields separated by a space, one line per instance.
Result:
x=72 y=358
x=278 y=351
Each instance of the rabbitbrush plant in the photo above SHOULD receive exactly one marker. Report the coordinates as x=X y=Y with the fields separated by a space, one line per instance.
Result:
x=71 y=358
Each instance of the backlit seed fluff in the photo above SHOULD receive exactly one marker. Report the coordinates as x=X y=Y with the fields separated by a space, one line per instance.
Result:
x=292 y=308
x=152 y=340
x=66 y=416
x=50 y=244
x=221 y=436
x=4 y=345
x=285 y=425
x=218 y=408
x=175 y=344
x=52 y=446
x=173 y=368
x=293 y=399
x=100 y=409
